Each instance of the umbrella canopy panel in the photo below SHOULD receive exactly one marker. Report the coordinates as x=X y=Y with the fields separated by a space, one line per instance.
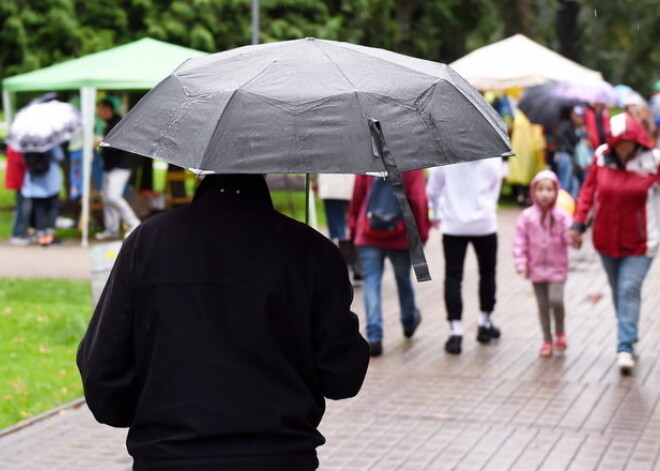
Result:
x=304 y=105
x=518 y=61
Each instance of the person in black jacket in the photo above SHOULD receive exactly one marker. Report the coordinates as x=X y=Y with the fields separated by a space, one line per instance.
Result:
x=222 y=327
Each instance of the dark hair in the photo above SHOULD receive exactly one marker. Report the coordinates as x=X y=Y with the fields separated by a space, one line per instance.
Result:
x=107 y=102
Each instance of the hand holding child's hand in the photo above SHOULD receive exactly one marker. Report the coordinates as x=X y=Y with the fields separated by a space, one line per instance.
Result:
x=576 y=238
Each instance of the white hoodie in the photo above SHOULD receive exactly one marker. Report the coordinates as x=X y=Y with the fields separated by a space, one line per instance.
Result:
x=464 y=196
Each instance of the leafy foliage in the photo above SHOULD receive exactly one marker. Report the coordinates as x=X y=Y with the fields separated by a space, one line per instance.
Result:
x=617 y=38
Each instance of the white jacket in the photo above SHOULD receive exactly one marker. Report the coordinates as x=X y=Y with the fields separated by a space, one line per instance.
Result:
x=335 y=186
x=463 y=197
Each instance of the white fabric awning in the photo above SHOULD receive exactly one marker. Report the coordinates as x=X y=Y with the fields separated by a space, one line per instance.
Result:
x=518 y=62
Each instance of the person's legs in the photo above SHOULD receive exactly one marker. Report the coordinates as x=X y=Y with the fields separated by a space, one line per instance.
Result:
x=556 y=300
x=372 y=260
x=632 y=271
x=110 y=212
x=454 y=248
x=409 y=315
x=113 y=193
x=21 y=221
x=611 y=266
x=53 y=211
x=541 y=292
x=41 y=207
x=335 y=212
x=564 y=166
x=486 y=249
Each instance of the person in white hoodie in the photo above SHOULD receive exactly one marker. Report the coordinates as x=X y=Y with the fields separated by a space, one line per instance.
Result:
x=463 y=198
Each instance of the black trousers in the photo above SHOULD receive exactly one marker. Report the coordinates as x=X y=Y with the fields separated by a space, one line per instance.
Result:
x=455 y=248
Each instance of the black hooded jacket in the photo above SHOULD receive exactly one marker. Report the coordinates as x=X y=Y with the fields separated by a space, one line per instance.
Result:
x=221 y=329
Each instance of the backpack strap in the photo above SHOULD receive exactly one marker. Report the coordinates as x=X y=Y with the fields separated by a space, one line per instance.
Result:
x=394 y=177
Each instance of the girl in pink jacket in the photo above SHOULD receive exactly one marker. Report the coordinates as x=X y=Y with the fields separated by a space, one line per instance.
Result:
x=540 y=252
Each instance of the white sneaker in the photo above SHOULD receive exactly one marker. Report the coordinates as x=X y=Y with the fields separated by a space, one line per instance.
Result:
x=19 y=241
x=626 y=362
x=106 y=235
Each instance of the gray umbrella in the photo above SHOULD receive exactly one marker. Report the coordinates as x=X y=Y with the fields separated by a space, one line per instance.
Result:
x=313 y=106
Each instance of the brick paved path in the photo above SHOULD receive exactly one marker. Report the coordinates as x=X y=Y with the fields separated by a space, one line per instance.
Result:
x=495 y=407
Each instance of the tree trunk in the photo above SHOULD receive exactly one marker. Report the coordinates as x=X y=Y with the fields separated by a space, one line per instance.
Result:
x=567 y=30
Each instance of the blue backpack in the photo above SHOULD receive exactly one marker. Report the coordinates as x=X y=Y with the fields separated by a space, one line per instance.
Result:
x=384 y=216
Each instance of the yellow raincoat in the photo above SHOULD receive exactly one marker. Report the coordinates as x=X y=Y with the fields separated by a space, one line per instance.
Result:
x=528 y=143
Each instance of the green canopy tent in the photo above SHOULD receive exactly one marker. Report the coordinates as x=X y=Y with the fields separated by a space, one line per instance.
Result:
x=139 y=65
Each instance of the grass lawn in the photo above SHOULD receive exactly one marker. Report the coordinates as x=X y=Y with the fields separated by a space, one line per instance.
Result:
x=41 y=324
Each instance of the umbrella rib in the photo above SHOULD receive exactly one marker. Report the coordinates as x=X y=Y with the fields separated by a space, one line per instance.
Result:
x=215 y=130
x=316 y=43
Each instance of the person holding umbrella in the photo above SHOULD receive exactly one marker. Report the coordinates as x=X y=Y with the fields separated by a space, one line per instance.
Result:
x=222 y=328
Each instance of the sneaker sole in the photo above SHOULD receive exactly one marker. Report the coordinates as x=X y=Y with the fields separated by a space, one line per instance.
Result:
x=626 y=370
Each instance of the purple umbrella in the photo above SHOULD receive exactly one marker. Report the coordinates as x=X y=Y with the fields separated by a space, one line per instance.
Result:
x=597 y=91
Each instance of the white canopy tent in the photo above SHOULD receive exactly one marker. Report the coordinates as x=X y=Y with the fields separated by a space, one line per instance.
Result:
x=518 y=61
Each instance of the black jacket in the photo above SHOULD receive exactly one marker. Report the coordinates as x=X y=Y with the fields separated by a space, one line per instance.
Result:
x=114 y=158
x=222 y=327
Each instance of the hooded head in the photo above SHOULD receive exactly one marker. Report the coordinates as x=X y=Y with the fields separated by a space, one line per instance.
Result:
x=623 y=127
x=544 y=175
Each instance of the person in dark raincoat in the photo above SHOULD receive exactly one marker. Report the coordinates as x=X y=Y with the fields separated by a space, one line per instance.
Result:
x=221 y=329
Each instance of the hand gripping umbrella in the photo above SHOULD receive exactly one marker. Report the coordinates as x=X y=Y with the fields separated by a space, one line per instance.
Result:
x=314 y=106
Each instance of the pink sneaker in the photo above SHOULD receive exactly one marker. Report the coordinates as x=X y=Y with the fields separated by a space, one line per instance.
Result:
x=546 y=350
x=560 y=342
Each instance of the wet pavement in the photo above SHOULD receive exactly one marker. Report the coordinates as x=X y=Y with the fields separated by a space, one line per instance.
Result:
x=494 y=407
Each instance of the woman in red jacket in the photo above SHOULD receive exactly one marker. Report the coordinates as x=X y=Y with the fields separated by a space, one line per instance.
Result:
x=623 y=189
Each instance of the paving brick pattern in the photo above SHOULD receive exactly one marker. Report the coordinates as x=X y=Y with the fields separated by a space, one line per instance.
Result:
x=494 y=407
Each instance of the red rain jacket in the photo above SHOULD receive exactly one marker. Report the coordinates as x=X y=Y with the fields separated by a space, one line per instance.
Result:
x=415 y=187
x=16 y=169
x=625 y=198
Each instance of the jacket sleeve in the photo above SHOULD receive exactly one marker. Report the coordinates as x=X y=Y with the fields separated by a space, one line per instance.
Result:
x=434 y=189
x=586 y=197
x=416 y=189
x=106 y=357
x=341 y=355
x=520 y=244
x=359 y=195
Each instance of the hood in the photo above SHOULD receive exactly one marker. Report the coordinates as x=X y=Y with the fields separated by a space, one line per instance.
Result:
x=542 y=175
x=624 y=127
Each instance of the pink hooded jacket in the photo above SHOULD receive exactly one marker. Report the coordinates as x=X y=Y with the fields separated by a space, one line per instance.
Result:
x=538 y=249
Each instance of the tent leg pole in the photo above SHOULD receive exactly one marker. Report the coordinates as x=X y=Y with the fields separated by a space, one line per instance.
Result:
x=88 y=106
x=8 y=107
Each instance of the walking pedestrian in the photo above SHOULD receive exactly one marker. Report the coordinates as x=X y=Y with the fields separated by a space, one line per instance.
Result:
x=374 y=246
x=116 y=172
x=14 y=177
x=540 y=253
x=42 y=185
x=336 y=191
x=570 y=131
x=464 y=201
x=623 y=191
x=221 y=329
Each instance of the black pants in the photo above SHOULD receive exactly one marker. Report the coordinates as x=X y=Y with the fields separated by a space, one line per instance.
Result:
x=45 y=213
x=455 y=248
